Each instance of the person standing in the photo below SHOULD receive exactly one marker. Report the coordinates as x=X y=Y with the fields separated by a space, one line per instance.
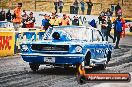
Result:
x=108 y=12
x=30 y=21
x=2 y=16
x=45 y=22
x=109 y=26
x=64 y=21
x=54 y=21
x=76 y=6
x=104 y=28
x=117 y=9
x=123 y=27
x=8 y=16
x=100 y=19
x=17 y=18
x=82 y=6
x=76 y=21
x=90 y=4
x=24 y=19
x=118 y=31
x=61 y=4
x=56 y=5
x=103 y=13
x=130 y=27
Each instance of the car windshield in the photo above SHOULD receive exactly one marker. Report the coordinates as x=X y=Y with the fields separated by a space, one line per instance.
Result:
x=75 y=32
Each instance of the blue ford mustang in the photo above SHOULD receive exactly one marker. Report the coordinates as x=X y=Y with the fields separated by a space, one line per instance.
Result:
x=68 y=45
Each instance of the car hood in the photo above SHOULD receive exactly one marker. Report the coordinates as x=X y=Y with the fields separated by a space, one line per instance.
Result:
x=72 y=42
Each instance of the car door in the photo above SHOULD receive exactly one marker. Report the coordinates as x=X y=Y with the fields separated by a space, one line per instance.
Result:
x=89 y=45
x=99 y=44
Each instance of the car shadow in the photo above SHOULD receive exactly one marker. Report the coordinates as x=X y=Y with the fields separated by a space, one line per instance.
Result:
x=56 y=71
x=62 y=71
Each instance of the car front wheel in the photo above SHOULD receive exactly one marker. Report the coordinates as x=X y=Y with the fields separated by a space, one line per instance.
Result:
x=34 y=66
x=108 y=56
x=87 y=59
x=102 y=66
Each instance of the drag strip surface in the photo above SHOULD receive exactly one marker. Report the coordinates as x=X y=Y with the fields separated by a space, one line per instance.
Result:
x=14 y=72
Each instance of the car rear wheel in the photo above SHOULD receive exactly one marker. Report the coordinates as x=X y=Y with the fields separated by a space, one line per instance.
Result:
x=34 y=66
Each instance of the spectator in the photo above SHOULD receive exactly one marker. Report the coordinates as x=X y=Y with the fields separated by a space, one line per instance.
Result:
x=61 y=4
x=82 y=6
x=56 y=5
x=103 y=18
x=109 y=26
x=65 y=21
x=76 y=21
x=108 y=12
x=117 y=8
x=2 y=15
x=8 y=16
x=17 y=19
x=2 y=10
x=104 y=28
x=76 y=6
x=90 y=4
x=100 y=19
x=30 y=21
x=93 y=23
x=114 y=29
x=119 y=12
x=24 y=17
x=118 y=31
x=130 y=28
x=54 y=21
x=123 y=27
x=103 y=13
x=69 y=19
x=45 y=22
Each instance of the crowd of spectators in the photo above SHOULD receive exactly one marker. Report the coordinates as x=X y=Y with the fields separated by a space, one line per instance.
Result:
x=56 y=20
x=4 y=16
x=59 y=4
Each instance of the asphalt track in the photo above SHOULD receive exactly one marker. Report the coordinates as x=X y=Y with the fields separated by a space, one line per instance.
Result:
x=14 y=72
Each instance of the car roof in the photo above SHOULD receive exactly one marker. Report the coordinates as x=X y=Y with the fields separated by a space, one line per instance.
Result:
x=69 y=26
x=92 y=28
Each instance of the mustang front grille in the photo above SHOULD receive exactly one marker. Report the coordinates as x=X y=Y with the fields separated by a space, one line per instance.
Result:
x=48 y=47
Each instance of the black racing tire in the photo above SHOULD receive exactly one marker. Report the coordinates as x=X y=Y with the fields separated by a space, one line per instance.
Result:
x=81 y=79
x=108 y=56
x=102 y=66
x=34 y=67
x=87 y=58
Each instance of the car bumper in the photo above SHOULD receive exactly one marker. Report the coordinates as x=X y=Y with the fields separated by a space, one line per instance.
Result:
x=71 y=59
x=98 y=61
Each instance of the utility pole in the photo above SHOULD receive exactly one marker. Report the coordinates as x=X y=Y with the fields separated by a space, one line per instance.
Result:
x=35 y=5
x=122 y=2
x=0 y=3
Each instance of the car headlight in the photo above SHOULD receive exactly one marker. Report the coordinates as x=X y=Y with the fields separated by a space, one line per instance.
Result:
x=24 y=48
x=78 y=49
